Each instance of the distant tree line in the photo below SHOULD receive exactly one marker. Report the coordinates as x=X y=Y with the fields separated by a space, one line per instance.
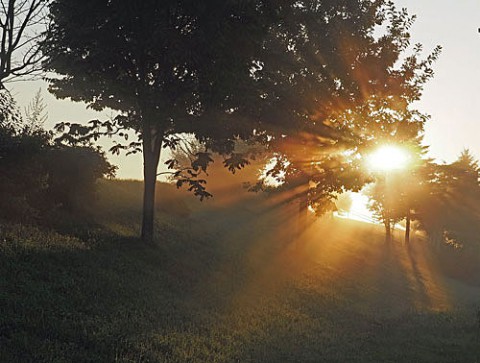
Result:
x=441 y=200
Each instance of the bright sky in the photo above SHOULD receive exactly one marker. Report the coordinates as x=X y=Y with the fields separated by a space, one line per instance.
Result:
x=452 y=98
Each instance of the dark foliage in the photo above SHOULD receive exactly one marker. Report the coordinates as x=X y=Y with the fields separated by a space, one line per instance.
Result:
x=280 y=72
x=39 y=180
x=72 y=173
x=449 y=210
x=22 y=176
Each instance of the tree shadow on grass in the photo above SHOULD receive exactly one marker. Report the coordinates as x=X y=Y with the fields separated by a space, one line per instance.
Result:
x=345 y=323
x=353 y=303
x=232 y=293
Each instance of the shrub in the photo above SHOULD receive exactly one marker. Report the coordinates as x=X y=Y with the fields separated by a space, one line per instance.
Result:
x=39 y=179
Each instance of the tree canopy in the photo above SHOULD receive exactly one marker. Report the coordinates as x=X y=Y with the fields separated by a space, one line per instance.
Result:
x=449 y=209
x=285 y=73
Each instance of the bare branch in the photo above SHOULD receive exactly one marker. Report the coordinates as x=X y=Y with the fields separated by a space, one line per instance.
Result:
x=23 y=24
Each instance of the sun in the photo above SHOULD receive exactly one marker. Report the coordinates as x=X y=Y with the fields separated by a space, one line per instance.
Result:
x=388 y=157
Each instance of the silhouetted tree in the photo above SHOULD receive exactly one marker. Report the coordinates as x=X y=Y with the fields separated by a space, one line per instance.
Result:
x=449 y=214
x=397 y=195
x=463 y=198
x=385 y=200
x=416 y=189
x=23 y=24
x=356 y=94
x=277 y=71
x=170 y=67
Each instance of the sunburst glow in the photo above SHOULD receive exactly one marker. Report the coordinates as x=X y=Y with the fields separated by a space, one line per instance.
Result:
x=388 y=157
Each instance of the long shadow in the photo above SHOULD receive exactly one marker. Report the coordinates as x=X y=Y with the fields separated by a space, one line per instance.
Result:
x=420 y=286
x=346 y=317
x=226 y=289
x=249 y=244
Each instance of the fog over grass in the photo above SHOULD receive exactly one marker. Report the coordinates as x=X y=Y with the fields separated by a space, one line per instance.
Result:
x=229 y=284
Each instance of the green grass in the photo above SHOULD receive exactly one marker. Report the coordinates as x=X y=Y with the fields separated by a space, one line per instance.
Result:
x=226 y=285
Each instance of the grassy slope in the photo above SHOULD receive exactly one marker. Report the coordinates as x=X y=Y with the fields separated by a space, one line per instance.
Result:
x=226 y=285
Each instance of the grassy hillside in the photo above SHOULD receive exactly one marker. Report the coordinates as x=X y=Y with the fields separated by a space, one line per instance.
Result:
x=226 y=284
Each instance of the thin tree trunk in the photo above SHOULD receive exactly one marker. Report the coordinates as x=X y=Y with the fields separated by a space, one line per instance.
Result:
x=152 y=142
x=302 y=214
x=388 y=230
x=299 y=222
x=407 y=227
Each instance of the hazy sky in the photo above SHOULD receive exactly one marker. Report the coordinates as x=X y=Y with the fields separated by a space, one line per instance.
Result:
x=452 y=98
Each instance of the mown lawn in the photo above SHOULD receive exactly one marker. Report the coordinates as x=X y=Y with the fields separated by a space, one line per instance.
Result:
x=228 y=285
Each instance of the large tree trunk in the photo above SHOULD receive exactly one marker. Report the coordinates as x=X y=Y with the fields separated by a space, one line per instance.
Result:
x=152 y=142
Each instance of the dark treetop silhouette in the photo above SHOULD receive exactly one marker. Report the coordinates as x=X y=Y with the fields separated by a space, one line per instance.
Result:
x=279 y=72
